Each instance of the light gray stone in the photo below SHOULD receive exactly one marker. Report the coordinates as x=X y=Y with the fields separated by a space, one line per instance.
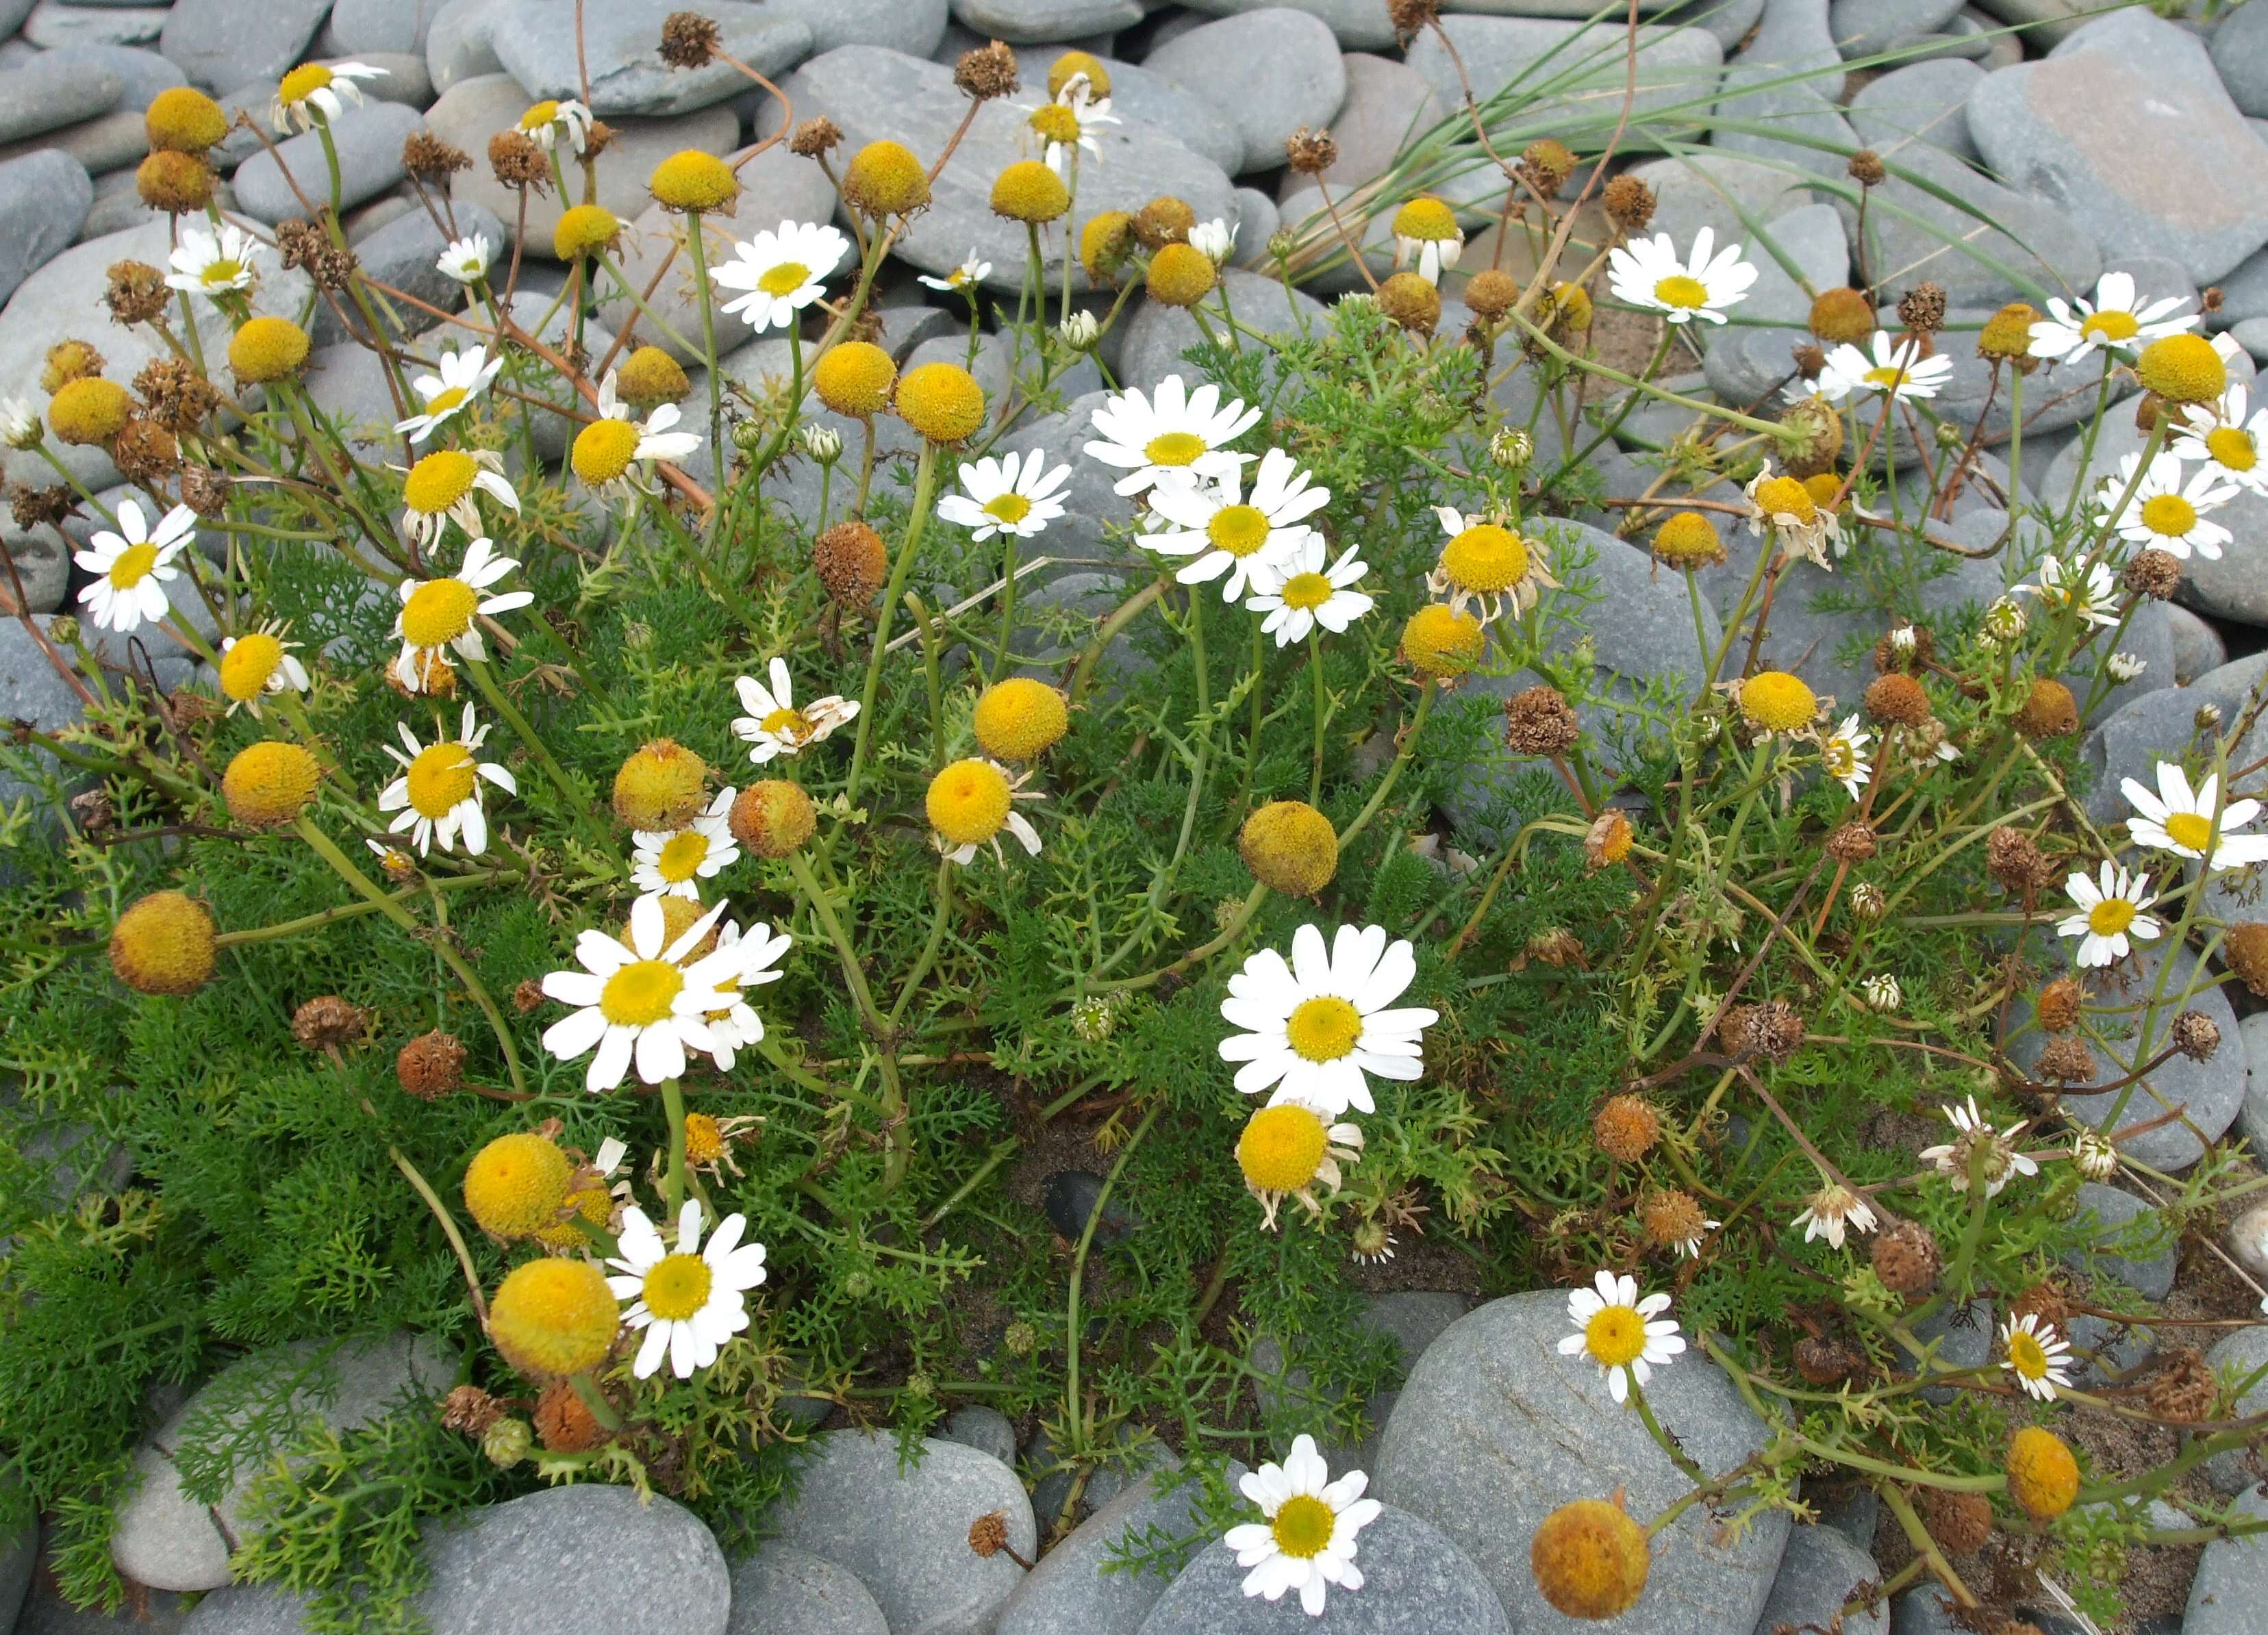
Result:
x=1994 y=246
x=2115 y=1213
x=46 y=1613
x=915 y=26
x=1359 y=24
x=248 y=1609
x=2252 y=1117
x=1863 y=27
x=19 y=1553
x=56 y=23
x=2248 y=1233
x=1256 y=221
x=357 y=27
x=1033 y=22
x=405 y=77
x=2232 y=1580
x=222 y=43
x=44 y=199
x=142 y=74
x=2252 y=336
x=1786 y=121
x=1819 y=1572
x=457 y=42
x=2093 y=132
x=1415 y=1581
x=1156 y=335
x=368 y=141
x=2236 y=1357
x=2197 y=646
x=1797 y=34
x=1723 y=192
x=30 y=690
x=536 y=41
x=2240 y=53
x=1586 y=61
x=1273 y=71
x=1069 y=1590
x=53 y=95
x=1388 y=105
x=903 y=1530
x=626 y=1566
x=167 y=1539
x=1920 y=102
x=781 y=1590
x=1496 y=1429
x=1726 y=21
x=986 y=1430
x=403 y=255
x=106 y=143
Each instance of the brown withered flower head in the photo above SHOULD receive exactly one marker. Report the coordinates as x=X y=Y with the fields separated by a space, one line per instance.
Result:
x=302 y=245
x=598 y=136
x=432 y=1065
x=1960 y=1523
x=2186 y=1388
x=1922 y=308
x=470 y=1409
x=1310 y=151
x=1867 y=169
x=518 y=161
x=1897 y=699
x=429 y=159
x=1772 y=1030
x=1908 y=647
x=328 y=1020
x=204 y=490
x=2196 y=1036
x=852 y=562
x=688 y=40
x=1629 y=202
x=1855 y=842
x=2013 y=859
x=1411 y=16
x=2154 y=573
x=815 y=136
x=174 y=394
x=1546 y=163
x=1540 y=722
x=2058 y=1005
x=1905 y=1258
x=987 y=73
x=1491 y=292
x=2064 y=1061
x=563 y=1420
x=144 y=451
x=135 y=292
x=32 y=506
x=528 y=996
x=2244 y=950
x=987 y=1535
x=1626 y=1128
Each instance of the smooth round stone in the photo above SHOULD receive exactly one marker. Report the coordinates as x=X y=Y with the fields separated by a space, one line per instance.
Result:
x=2248 y=1237
x=368 y=141
x=56 y=93
x=2231 y=1585
x=536 y=41
x=914 y=27
x=1272 y=71
x=219 y=43
x=457 y=42
x=2240 y=52
x=1820 y=1570
x=360 y=26
x=781 y=1590
x=1157 y=337
x=2151 y=1275
x=1922 y=101
x=143 y=73
x=2240 y=1354
x=986 y=1430
x=1035 y=22
x=1863 y=27
x=53 y=23
x=248 y=1609
x=1069 y=1590
x=621 y=1566
x=44 y=200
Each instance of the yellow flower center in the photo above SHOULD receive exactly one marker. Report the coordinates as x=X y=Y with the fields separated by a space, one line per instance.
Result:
x=1009 y=508
x=134 y=565
x=704 y=1138
x=1175 y=448
x=1425 y=218
x=2188 y=828
x=440 y=778
x=2169 y=515
x=1052 y=121
x=440 y=480
x=438 y=612
x=641 y=993
x=785 y=278
x=1239 y=530
x=2026 y=1356
x=2110 y=325
x=681 y=856
x=1786 y=496
x=604 y=449
x=1681 y=291
x=2232 y=448
x=969 y=801
x=1282 y=1147
x=1303 y=1526
x=221 y=272
x=541 y=114
x=1887 y=379
x=1776 y=701
x=1616 y=1336
x=303 y=82
x=2110 y=917
x=1324 y=1028
x=246 y=665
x=1841 y=759
x=442 y=401
x=1307 y=590
x=791 y=725
x=1486 y=557
x=677 y=1286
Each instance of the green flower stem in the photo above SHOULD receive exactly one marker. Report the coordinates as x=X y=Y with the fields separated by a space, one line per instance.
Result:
x=1918 y=1535
x=698 y=253
x=917 y=520
x=1771 y=429
x=922 y=967
x=932 y=675
x=327 y=850
x=595 y=1400
x=1426 y=696
x=1322 y=714
x=1678 y=1457
x=1078 y=1269
x=449 y=1230
x=78 y=487
x=893 y=1094
x=1009 y=576
x=672 y=1107
x=504 y=707
x=630 y=292
x=306 y=923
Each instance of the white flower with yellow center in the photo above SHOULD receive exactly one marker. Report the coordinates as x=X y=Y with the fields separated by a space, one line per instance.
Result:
x=1215 y=240
x=2220 y=438
x=971 y=802
x=440 y=487
x=1487 y=564
x=1225 y=533
x=1288 y=1150
x=2002 y=1162
x=637 y=998
x=2167 y=513
x=463 y=377
x=1308 y=1541
x=614 y=455
x=2182 y=819
x=1833 y=1211
x=1897 y=370
x=1882 y=992
x=962 y=279
x=674 y=863
x=1649 y=274
x=779 y=272
x=257 y=663
x=132 y=565
x=1174 y=435
x=466 y=259
x=439 y=793
x=690 y=1301
x=2110 y=912
x=2093 y=596
x=1842 y=752
x=548 y=120
x=316 y=93
x=2038 y=1355
x=773 y=726
x=1781 y=508
x=760 y=950
x=1013 y=494
x=2114 y=322
x=1302 y=595
x=1065 y=127
x=439 y=616
x=1627 y=1337
x=1427 y=237
x=1317 y=1027
x=213 y=264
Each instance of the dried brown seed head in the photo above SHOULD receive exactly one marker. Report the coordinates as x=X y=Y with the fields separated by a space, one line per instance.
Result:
x=1539 y=721
x=2154 y=573
x=815 y=136
x=2014 y=858
x=1922 y=308
x=135 y=292
x=1309 y=151
x=2245 y=951
x=2064 y=1061
x=328 y=1020
x=688 y=40
x=518 y=162
x=1629 y=202
x=1866 y=168
x=1905 y=1258
x=1772 y=1030
x=2058 y=1005
x=987 y=73
x=1626 y=1128
x=429 y=159
x=1897 y=699
x=2196 y=1036
x=1960 y=1523
x=1855 y=842
x=430 y=1066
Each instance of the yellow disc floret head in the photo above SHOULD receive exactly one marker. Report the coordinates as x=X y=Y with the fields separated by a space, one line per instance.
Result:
x=659 y=787
x=164 y=945
x=266 y=348
x=650 y=376
x=1028 y=191
x=1590 y=1559
x=1282 y=1147
x=854 y=379
x=1018 y=719
x=181 y=119
x=553 y=1317
x=2182 y=368
x=2043 y=1475
x=177 y=183
x=1290 y=847
x=1441 y=642
x=89 y=410
x=517 y=1183
x=773 y=818
x=1180 y=274
x=584 y=229
x=270 y=783
x=885 y=179
x=942 y=401
x=1777 y=702
x=691 y=179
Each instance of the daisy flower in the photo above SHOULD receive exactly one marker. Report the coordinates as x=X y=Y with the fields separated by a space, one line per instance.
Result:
x=2109 y=912
x=1316 y=1027
x=1488 y=563
x=690 y=1301
x=438 y=490
x=774 y=727
x=1173 y=435
x=674 y=863
x=466 y=259
x=1288 y=1150
x=1302 y=595
x=2038 y=1355
x=1897 y=370
x=2094 y=597
x=2002 y=1162
x=464 y=375
x=760 y=950
x=547 y=121
x=2166 y=511
x=439 y=793
x=2114 y=322
x=1065 y=127
x=1842 y=752
x=1881 y=991
x=133 y=565
x=1307 y=1540
x=2094 y=1153
x=970 y=802
x=1013 y=494
x=1781 y=507
x=780 y=272
x=2181 y=819
x=1216 y=239
x=1648 y=274
x=2221 y=439
x=212 y=264
x=1426 y=234
x=964 y=278
x=613 y=453
x=20 y=426
x=439 y=615
x=1833 y=1211
x=1225 y=533
x=2124 y=666
x=636 y=998
x=257 y=663
x=316 y=93
x=1625 y=1336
